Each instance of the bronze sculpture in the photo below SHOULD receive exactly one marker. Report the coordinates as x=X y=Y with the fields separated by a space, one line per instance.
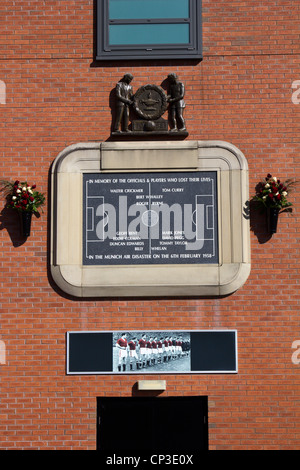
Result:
x=149 y=104
x=124 y=95
x=176 y=102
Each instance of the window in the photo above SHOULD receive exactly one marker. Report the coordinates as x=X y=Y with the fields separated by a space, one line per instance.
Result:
x=142 y=29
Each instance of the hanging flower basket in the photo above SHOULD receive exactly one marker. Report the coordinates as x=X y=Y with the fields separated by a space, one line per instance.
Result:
x=271 y=197
x=23 y=198
x=272 y=219
x=25 y=223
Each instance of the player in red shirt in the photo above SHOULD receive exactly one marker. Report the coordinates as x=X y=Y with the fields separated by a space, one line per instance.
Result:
x=166 y=348
x=154 y=350
x=132 y=353
x=122 y=347
x=180 y=346
x=143 y=351
x=160 y=349
x=149 y=351
x=170 y=348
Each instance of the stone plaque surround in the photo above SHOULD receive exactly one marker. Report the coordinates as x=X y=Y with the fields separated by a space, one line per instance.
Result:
x=165 y=280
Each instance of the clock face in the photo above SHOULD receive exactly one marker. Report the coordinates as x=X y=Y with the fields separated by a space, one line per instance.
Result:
x=150 y=102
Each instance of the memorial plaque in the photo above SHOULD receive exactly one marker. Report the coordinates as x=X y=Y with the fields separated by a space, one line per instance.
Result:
x=150 y=218
x=155 y=219
x=152 y=352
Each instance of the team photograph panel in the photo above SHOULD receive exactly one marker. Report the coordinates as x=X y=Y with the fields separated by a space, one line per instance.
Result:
x=149 y=351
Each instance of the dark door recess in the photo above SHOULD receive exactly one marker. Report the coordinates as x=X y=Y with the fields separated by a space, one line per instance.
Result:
x=173 y=424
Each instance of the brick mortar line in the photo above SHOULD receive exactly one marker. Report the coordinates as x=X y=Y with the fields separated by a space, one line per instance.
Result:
x=181 y=60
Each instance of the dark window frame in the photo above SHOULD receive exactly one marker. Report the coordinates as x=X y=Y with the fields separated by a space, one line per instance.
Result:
x=193 y=50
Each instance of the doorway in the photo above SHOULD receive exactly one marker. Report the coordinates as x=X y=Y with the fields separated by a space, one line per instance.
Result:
x=166 y=424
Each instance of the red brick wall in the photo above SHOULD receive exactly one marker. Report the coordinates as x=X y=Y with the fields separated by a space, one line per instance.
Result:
x=241 y=93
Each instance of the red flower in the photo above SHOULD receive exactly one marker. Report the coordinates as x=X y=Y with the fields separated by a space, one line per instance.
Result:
x=271 y=196
x=278 y=197
x=34 y=186
x=31 y=198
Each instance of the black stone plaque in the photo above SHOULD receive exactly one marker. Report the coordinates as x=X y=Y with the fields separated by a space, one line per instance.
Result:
x=150 y=218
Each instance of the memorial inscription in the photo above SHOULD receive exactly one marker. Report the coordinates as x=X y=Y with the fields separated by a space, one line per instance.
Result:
x=150 y=218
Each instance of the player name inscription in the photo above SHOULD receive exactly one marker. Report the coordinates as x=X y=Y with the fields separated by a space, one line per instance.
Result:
x=150 y=218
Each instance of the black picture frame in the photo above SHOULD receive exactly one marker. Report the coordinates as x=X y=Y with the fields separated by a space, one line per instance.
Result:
x=204 y=352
